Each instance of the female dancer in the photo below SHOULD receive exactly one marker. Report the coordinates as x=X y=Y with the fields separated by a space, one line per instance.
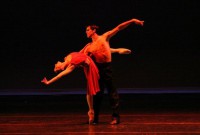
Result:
x=77 y=59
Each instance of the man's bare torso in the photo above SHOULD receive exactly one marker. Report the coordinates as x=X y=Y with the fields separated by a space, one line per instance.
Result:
x=100 y=49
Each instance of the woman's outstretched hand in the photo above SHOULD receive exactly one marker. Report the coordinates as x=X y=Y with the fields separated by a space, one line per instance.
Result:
x=45 y=81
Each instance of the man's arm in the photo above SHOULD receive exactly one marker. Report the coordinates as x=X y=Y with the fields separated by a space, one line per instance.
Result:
x=122 y=26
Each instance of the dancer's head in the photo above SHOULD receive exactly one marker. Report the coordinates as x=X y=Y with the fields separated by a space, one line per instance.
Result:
x=58 y=66
x=62 y=65
x=91 y=30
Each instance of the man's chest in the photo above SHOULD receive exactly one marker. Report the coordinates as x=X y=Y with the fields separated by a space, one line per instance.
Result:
x=97 y=46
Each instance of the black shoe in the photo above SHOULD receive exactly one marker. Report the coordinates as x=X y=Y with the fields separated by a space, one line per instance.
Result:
x=95 y=121
x=115 y=121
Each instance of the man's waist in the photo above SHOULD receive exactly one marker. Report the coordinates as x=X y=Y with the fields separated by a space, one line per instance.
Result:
x=103 y=64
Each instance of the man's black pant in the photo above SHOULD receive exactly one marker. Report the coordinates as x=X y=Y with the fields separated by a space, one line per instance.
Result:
x=106 y=81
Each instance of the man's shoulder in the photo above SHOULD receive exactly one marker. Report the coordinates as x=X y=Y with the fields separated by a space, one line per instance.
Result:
x=88 y=44
x=105 y=36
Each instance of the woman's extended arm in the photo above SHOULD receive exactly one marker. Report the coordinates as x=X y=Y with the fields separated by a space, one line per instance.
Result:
x=68 y=70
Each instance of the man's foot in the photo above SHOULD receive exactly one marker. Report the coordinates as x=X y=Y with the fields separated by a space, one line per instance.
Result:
x=115 y=121
x=94 y=122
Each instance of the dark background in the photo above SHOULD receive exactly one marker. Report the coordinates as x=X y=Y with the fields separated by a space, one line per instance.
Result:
x=36 y=34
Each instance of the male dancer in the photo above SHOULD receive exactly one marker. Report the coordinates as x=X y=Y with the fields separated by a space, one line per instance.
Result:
x=99 y=50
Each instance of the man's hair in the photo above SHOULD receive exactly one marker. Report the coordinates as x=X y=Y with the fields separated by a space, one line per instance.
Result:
x=93 y=27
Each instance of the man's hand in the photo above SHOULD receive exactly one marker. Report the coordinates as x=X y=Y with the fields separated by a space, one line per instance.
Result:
x=139 y=22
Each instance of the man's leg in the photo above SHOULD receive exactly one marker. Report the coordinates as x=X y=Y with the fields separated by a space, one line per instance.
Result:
x=114 y=101
x=97 y=100
x=113 y=96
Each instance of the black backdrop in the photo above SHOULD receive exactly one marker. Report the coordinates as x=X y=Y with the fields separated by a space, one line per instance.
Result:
x=36 y=34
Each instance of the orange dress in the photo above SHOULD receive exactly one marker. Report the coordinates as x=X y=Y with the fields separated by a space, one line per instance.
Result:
x=91 y=71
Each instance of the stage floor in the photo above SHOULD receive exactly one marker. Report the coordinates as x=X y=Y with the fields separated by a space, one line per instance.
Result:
x=160 y=114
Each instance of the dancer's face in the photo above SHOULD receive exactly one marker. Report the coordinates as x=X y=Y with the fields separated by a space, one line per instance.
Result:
x=58 y=66
x=89 y=32
x=62 y=65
